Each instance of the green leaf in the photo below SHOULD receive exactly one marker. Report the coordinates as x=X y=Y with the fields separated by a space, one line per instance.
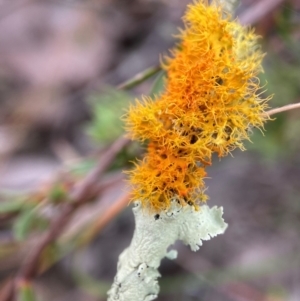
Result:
x=92 y=286
x=11 y=206
x=23 y=224
x=26 y=293
x=158 y=85
x=27 y=222
x=49 y=256
x=284 y=20
x=83 y=167
x=107 y=108
x=58 y=193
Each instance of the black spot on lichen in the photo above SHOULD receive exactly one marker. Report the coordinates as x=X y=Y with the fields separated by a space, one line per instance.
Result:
x=219 y=80
x=193 y=139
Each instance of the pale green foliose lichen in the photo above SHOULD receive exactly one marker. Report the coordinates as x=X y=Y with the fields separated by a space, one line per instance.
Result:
x=137 y=270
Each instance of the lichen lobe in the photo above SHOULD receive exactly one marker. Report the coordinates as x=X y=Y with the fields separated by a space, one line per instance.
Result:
x=137 y=270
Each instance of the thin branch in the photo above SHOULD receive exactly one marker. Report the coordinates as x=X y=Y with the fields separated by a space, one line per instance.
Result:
x=7 y=290
x=139 y=78
x=106 y=217
x=84 y=191
x=282 y=109
x=81 y=223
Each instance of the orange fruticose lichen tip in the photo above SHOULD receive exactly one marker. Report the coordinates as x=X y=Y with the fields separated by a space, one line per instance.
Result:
x=211 y=102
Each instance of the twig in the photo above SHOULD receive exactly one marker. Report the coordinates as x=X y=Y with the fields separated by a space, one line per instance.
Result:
x=106 y=217
x=79 y=224
x=258 y=11
x=282 y=109
x=4 y=218
x=85 y=189
x=7 y=290
x=82 y=192
x=139 y=78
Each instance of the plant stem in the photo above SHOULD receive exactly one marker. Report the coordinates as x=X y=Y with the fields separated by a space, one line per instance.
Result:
x=282 y=109
x=139 y=78
x=83 y=191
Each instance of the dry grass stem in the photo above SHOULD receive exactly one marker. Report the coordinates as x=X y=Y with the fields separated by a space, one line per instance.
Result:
x=282 y=109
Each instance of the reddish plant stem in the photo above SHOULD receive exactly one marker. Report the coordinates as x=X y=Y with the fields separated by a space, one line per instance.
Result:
x=84 y=191
x=106 y=217
x=7 y=290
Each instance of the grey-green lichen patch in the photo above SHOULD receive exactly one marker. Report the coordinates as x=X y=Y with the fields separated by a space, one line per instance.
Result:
x=137 y=269
x=229 y=5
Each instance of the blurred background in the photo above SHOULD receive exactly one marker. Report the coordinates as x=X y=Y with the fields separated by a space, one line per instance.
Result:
x=61 y=66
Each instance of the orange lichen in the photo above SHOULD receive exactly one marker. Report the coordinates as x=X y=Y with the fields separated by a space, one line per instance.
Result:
x=210 y=102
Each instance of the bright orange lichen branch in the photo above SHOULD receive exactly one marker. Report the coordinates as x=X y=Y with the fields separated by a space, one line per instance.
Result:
x=211 y=100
